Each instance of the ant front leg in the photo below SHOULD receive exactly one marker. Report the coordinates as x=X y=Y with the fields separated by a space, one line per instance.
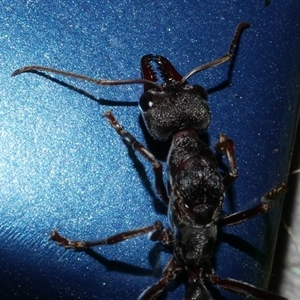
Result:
x=157 y=233
x=263 y=207
x=226 y=146
x=137 y=146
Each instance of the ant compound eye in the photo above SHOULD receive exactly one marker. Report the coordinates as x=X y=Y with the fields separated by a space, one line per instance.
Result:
x=198 y=89
x=145 y=102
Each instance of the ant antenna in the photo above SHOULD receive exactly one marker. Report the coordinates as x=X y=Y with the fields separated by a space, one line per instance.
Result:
x=222 y=59
x=82 y=77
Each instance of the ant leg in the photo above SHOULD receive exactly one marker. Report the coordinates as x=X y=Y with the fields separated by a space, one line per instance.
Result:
x=226 y=146
x=261 y=208
x=163 y=236
x=157 y=229
x=243 y=288
x=171 y=271
x=137 y=146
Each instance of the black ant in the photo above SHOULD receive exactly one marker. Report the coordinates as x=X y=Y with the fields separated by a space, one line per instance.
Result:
x=195 y=192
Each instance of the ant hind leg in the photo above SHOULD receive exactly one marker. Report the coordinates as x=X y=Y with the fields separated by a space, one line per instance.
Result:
x=263 y=207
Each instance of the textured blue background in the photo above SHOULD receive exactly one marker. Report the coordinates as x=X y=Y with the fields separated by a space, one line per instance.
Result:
x=62 y=165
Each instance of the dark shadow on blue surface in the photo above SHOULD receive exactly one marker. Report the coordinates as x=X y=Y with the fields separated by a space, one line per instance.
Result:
x=118 y=266
x=243 y=246
x=159 y=149
x=154 y=259
x=148 y=184
x=216 y=293
x=267 y=3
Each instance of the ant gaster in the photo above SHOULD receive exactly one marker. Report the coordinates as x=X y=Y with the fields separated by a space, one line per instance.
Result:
x=196 y=189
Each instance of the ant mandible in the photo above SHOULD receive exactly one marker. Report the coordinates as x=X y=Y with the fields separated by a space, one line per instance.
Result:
x=196 y=189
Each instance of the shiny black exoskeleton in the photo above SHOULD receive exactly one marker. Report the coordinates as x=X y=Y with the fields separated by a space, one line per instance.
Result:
x=195 y=190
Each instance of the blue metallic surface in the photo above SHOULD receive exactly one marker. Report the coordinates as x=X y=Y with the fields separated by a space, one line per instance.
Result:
x=62 y=165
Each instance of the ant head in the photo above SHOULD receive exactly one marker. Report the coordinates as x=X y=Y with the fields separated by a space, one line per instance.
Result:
x=175 y=107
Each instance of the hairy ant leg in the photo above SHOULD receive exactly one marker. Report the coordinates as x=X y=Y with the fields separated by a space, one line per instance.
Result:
x=243 y=288
x=171 y=271
x=156 y=230
x=263 y=207
x=137 y=146
x=226 y=146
